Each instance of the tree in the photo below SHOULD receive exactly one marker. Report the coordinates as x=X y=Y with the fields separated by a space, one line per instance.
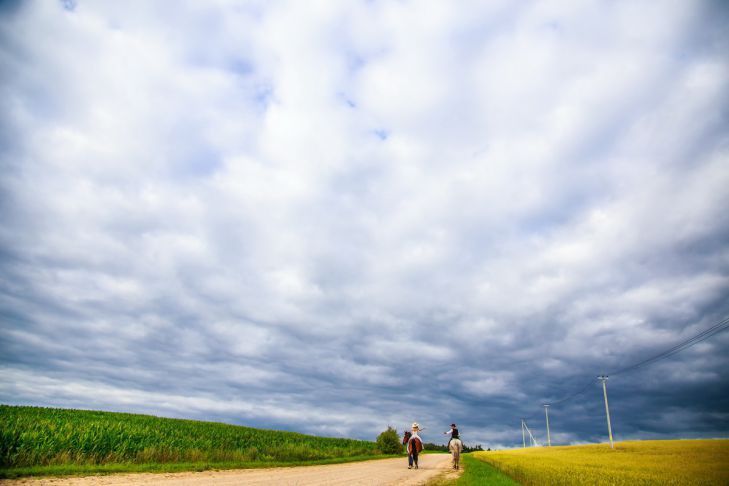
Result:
x=476 y=448
x=389 y=442
x=435 y=447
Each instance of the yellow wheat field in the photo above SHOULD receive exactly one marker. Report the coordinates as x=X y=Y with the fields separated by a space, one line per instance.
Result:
x=664 y=462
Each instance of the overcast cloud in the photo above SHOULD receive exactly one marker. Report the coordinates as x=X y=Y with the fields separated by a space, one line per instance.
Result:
x=329 y=217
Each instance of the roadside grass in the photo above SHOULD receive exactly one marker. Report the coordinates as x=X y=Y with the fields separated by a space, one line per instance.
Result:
x=105 y=469
x=474 y=473
x=663 y=462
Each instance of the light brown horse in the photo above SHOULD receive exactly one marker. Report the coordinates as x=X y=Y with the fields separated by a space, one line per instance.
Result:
x=456 y=446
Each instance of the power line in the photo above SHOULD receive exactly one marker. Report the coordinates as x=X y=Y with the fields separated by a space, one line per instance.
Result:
x=717 y=328
x=532 y=417
x=576 y=394
x=702 y=336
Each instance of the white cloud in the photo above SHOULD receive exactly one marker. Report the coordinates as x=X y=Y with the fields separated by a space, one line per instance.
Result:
x=367 y=196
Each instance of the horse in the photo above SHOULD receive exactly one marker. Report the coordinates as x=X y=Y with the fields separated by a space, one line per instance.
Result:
x=456 y=446
x=415 y=447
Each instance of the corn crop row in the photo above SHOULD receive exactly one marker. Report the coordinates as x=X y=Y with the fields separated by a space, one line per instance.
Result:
x=32 y=436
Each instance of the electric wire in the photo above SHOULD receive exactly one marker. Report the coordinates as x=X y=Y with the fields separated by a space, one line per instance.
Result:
x=535 y=416
x=717 y=328
x=702 y=336
x=574 y=395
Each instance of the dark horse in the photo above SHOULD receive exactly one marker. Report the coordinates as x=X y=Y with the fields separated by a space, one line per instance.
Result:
x=415 y=446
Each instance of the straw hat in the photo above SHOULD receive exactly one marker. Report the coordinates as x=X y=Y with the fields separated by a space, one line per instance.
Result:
x=416 y=426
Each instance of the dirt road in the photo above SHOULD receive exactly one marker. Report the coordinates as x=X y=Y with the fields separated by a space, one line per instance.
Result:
x=384 y=471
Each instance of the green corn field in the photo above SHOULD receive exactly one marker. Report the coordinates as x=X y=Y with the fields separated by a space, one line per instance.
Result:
x=34 y=436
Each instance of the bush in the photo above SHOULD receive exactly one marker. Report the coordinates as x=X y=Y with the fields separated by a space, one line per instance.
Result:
x=388 y=442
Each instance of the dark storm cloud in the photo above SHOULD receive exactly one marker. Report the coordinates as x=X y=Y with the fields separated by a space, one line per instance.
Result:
x=200 y=220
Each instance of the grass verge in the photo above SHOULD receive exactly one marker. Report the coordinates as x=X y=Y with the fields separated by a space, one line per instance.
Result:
x=474 y=472
x=103 y=469
x=477 y=472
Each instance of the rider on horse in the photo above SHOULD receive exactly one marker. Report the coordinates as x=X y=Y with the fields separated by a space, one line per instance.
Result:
x=453 y=432
x=414 y=445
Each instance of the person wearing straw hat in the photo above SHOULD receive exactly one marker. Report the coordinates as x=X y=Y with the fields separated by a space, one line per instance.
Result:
x=415 y=445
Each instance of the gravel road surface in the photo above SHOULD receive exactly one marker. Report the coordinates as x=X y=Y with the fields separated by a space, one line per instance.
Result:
x=378 y=472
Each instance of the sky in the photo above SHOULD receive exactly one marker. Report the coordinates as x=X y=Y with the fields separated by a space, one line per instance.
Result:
x=331 y=217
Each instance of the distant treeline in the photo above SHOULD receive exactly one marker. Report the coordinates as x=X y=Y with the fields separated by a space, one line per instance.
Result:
x=34 y=436
x=444 y=448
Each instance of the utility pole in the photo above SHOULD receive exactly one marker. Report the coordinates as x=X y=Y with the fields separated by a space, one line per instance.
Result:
x=532 y=441
x=523 y=437
x=546 y=413
x=604 y=378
